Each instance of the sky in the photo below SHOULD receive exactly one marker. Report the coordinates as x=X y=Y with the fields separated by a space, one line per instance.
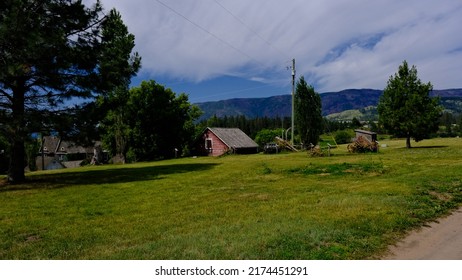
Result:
x=223 y=49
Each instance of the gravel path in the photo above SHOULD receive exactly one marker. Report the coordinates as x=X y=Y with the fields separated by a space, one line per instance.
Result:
x=441 y=240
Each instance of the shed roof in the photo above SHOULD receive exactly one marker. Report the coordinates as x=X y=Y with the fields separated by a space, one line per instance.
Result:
x=365 y=132
x=233 y=137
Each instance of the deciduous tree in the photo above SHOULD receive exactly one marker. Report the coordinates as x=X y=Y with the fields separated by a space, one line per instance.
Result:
x=265 y=136
x=159 y=121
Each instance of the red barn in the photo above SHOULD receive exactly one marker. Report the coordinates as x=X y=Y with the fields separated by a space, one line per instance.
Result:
x=215 y=141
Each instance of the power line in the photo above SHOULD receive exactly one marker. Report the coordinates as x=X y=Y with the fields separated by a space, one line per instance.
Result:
x=232 y=91
x=248 y=27
x=208 y=32
x=222 y=40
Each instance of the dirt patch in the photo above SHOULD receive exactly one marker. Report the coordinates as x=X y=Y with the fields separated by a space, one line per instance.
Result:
x=441 y=196
x=33 y=238
x=440 y=240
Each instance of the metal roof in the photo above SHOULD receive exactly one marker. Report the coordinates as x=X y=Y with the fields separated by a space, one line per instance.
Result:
x=233 y=137
x=365 y=132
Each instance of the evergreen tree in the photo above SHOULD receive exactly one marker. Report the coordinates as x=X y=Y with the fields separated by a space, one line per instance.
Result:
x=308 y=113
x=406 y=108
x=115 y=128
x=52 y=51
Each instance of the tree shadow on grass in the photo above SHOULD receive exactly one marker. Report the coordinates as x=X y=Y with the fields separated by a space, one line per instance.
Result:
x=430 y=147
x=104 y=175
x=425 y=147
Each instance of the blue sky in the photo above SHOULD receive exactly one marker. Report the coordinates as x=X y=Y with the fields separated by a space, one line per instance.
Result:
x=222 y=49
x=220 y=88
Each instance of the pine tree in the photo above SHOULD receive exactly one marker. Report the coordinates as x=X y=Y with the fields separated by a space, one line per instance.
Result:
x=308 y=113
x=52 y=51
x=406 y=108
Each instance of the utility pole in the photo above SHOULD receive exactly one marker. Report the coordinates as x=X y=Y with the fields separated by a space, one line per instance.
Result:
x=293 y=104
x=43 y=153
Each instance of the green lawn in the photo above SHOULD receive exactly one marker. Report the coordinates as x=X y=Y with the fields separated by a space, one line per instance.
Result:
x=284 y=206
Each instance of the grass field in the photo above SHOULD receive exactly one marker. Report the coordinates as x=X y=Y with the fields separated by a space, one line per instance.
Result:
x=284 y=206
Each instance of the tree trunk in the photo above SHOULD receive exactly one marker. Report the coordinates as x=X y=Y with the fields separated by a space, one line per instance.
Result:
x=16 y=170
x=120 y=137
x=18 y=153
x=408 y=142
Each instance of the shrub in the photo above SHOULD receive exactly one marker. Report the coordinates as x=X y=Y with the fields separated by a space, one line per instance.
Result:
x=266 y=135
x=344 y=136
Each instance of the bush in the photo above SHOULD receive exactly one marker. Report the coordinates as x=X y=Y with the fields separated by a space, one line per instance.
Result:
x=131 y=156
x=266 y=136
x=344 y=136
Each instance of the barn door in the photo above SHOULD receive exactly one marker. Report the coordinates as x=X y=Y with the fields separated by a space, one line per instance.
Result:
x=208 y=145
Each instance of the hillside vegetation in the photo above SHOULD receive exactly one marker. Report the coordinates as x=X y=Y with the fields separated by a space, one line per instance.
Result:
x=332 y=103
x=280 y=206
x=365 y=114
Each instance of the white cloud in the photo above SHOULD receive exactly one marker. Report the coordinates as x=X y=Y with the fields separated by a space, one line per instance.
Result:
x=337 y=44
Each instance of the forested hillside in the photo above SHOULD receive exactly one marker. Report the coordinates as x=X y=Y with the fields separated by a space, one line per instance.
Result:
x=332 y=102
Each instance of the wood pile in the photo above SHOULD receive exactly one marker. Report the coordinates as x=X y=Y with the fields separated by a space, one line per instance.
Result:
x=363 y=145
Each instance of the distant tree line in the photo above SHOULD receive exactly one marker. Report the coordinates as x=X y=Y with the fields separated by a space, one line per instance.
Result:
x=252 y=126
x=450 y=125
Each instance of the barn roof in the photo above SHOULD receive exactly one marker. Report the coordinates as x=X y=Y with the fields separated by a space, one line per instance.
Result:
x=233 y=137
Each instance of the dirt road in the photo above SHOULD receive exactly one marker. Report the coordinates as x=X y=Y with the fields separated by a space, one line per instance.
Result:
x=441 y=240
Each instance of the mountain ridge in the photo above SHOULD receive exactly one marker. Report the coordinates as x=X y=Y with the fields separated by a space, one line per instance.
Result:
x=332 y=102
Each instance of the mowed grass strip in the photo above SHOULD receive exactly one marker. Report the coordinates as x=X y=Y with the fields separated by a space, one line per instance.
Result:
x=284 y=206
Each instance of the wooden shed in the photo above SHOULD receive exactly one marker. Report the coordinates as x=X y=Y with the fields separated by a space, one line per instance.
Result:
x=369 y=135
x=216 y=141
